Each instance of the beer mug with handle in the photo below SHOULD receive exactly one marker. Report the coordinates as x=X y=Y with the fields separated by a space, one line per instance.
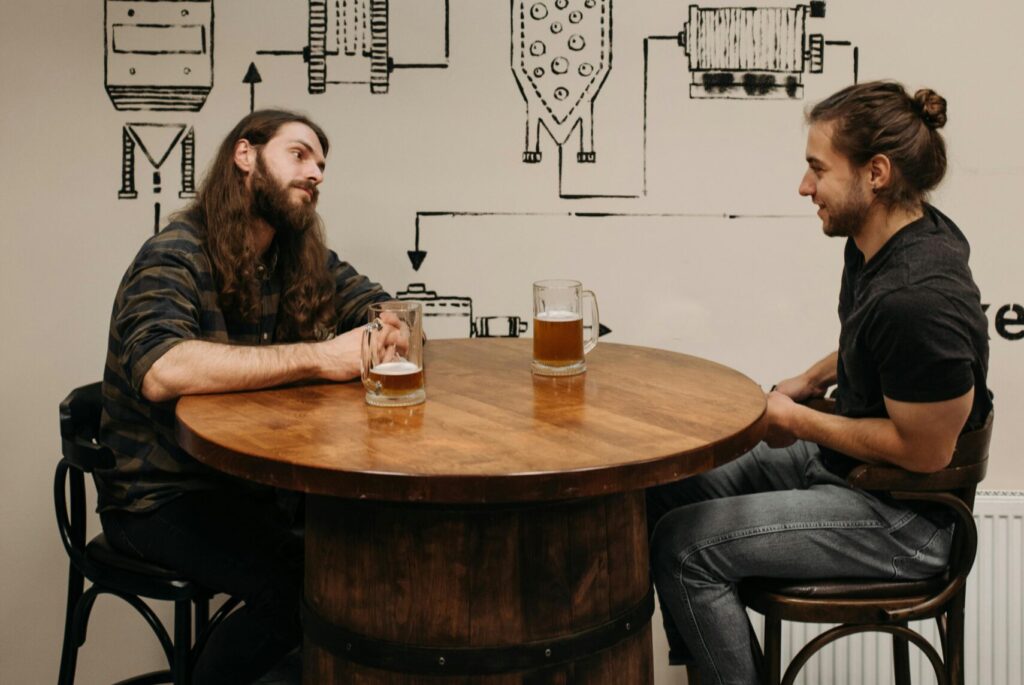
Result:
x=559 y=348
x=392 y=354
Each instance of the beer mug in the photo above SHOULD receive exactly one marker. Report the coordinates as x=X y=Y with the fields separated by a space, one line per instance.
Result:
x=392 y=354
x=558 y=345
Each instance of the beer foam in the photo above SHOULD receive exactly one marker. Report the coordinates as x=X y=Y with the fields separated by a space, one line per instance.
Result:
x=395 y=368
x=558 y=315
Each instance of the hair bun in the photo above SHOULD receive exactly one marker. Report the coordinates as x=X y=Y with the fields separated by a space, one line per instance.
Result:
x=931 y=107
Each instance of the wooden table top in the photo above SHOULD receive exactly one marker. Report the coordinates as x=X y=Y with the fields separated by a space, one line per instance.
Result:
x=490 y=431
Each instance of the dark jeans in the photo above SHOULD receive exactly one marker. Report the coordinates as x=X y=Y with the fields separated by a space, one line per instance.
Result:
x=233 y=542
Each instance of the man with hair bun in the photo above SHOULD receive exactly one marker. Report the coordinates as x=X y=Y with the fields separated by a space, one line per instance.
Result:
x=910 y=372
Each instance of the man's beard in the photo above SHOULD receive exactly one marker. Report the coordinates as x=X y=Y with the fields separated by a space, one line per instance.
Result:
x=846 y=219
x=271 y=202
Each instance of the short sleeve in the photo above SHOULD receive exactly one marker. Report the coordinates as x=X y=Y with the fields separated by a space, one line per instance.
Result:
x=921 y=345
x=158 y=308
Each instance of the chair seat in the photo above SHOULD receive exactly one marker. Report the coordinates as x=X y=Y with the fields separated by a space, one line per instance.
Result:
x=136 y=576
x=100 y=551
x=839 y=600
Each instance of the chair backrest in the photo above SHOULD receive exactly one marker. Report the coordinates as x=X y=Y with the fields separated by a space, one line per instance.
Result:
x=80 y=429
x=966 y=469
x=953 y=487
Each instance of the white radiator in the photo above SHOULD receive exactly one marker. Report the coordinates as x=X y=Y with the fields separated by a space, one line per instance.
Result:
x=994 y=635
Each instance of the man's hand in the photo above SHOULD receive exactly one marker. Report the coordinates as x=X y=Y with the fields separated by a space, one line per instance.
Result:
x=780 y=410
x=339 y=357
x=814 y=382
x=392 y=342
x=800 y=388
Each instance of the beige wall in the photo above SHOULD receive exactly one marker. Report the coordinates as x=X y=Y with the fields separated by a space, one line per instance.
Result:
x=755 y=293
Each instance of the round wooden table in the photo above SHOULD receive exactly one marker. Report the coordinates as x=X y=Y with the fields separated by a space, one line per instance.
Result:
x=496 y=534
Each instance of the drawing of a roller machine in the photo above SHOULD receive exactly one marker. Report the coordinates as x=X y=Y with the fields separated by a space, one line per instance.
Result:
x=450 y=316
x=362 y=42
x=561 y=56
x=751 y=52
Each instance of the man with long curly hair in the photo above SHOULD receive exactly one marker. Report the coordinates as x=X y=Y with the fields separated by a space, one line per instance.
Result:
x=238 y=292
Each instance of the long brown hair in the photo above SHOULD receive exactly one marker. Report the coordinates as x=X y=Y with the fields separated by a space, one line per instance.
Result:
x=222 y=212
x=880 y=117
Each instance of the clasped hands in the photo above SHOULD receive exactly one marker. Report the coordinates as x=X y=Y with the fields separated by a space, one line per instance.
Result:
x=783 y=402
x=391 y=343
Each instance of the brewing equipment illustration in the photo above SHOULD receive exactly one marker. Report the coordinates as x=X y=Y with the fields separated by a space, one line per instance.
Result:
x=355 y=41
x=444 y=316
x=751 y=52
x=451 y=316
x=360 y=39
x=156 y=141
x=158 y=54
x=561 y=56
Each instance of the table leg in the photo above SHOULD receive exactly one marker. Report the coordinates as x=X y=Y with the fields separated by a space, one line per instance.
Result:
x=417 y=594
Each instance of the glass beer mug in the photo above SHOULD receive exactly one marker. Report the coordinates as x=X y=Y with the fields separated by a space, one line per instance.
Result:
x=392 y=354
x=558 y=345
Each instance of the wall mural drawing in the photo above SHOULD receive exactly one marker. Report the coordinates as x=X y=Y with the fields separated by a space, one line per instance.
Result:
x=751 y=52
x=451 y=316
x=251 y=78
x=351 y=42
x=157 y=141
x=561 y=56
x=158 y=54
x=746 y=53
x=158 y=57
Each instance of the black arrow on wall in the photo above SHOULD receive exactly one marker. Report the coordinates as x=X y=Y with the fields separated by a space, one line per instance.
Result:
x=417 y=255
x=252 y=77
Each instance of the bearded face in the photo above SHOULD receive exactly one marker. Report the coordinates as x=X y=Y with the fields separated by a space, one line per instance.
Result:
x=277 y=202
x=848 y=213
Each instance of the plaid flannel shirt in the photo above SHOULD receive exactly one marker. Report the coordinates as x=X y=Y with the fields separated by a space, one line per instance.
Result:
x=169 y=295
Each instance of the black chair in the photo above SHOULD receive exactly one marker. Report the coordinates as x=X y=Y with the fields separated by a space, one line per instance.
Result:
x=886 y=606
x=108 y=570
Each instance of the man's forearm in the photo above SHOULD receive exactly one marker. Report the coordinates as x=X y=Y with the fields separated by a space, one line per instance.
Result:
x=813 y=382
x=867 y=439
x=196 y=366
x=823 y=373
x=917 y=436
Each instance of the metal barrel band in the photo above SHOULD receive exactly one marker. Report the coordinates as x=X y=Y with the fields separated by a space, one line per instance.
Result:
x=465 y=661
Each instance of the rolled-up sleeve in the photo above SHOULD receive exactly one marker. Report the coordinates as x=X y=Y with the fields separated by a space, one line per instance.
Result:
x=159 y=308
x=354 y=293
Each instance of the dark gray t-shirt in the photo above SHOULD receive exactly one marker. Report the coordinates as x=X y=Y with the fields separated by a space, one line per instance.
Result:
x=912 y=326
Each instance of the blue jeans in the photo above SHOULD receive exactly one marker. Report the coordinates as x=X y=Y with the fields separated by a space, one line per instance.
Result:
x=770 y=513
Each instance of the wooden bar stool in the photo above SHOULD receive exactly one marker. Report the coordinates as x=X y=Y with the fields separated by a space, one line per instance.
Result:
x=880 y=605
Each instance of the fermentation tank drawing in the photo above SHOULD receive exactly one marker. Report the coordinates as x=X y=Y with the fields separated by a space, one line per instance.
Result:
x=561 y=56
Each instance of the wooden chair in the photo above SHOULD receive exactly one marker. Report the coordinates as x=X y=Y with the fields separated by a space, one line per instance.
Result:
x=108 y=570
x=886 y=606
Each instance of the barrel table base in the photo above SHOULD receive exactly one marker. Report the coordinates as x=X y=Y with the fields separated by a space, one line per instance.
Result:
x=537 y=594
